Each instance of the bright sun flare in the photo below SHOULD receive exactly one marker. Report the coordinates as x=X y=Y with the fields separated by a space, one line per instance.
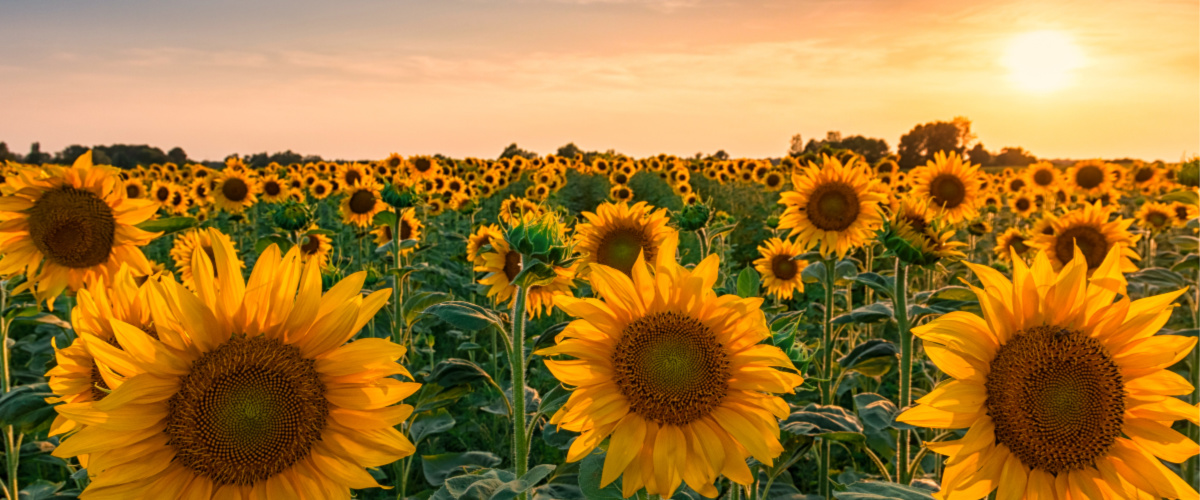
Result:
x=1042 y=61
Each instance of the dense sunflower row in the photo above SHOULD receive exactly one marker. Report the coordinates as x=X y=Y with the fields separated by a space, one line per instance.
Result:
x=234 y=367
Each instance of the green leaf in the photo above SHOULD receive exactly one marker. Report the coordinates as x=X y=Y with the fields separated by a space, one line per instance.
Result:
x=870 y=313
x=872 y=490
x=384 y=218
x=168 y=225
x=955 y=293
x=828 y=422
x=590 y=473
x=1184 y=195
x=845 y=270
x=479 y=484
x=748 y=283
x=1158 y=277
x=433 y=396
x=870 y=357
x=455 y=371
x=1189 y=263
x=438 y=467
x=538 y=273
x=511 y=489
x=465 y=315
x=416 y=304
x=875 y=411
x=883 y=285
x=265 y=242
x=429 y=423
x=46 y=490
x=554 y=399
x=25 y=408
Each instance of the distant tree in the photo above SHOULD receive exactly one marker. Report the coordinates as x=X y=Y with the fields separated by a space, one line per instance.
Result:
x=258 y=160
x=99 y=157
x=1014 y=157
x=871 y=149
x=177 y=156
x=797 y=146
x=720 y=155
x=69 y=154
x=978 y=155
x=921 y=143
x=5 y=154
x=132 y=155
x=514 y=150
x=36 y=156
x=569 y=151
x=286 y=158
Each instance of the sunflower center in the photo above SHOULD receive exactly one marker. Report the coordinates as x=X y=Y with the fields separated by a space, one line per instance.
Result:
x=916 y=222
x=1043 y=177
x=783 y=267
x=833 y=206
x=72 y=227
x=1089 y=240
x=1022 y=204
x=1016 y=185
x=362 y=202
x=774 y=180
x=271 y=188
x=1018 y=243
x=422 y=164
x=1056 y=398
x=162 y=194
x=947 y=190
x=212 y=258
x=235 y=189
x=1181 y=213
x=1089 y=177
x=619 y=249
x=311 y=245
x=1157 y=219
x=133 y=191
x=351 y=177
x=512 y=264
x=671 y=367
x=406 y=230
x=246 y=411
x=1143 y=175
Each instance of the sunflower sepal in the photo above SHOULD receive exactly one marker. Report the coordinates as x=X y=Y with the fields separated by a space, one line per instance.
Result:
x=536 y=273
x=168 y=225
x=293 y=216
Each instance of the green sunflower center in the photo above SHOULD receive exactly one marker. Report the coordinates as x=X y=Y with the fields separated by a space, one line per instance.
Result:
x=235 y=189
x=1091 y=243
x=671 y=367
x=72 y=227
x=362 y=202
x=1056 y=398
x=1043 y=177
x=1089 y=177
x=783 y=267
x=833 y=206
x=619 y=249
x=246 y=411
x=947 y=190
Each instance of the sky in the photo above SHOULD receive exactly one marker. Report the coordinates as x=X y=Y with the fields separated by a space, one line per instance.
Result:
x=360 y=79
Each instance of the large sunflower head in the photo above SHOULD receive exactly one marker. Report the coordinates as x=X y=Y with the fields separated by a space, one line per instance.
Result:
x=616 y=233
x=250 y=391
x=63 y=226
x=1091 y=177
x=781 y=271
x=1155 y=217
x=835 y=205
x=951 y=186
x=1089 y=229
x=206 y=240
x=236 y=190
x=1062 y=387
x=673 y=375
x=362 y=202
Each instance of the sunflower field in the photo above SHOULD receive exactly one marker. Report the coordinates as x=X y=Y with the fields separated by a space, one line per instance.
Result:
x=606 y=327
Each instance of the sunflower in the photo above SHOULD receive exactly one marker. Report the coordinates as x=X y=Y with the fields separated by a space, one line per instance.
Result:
x=410 y=229
x=676 y=376
x=161 y=192
x=1013 y=241
x=204 y=239
x=235 y=191
x=1022 y=204
x=1184 y=212
x=77 y=378
x=320 y=189
x=502 y=264
x=63 y=226
x=514 y=208
x=362 y=203
x=1041 y=176
x=834 y=204
x=1064 y=391
x=134 y=188
x=1089 y=229
x=316 y=247
x=1155 y=217
x=950 y=185
x=780 y=270
x=1044 y=225
x=616 y=233
x=273 y=189
x=349 y=174
x=200 y=192
x=251 y=392
x=423 y=167
x=1145 y=176
x=180 y=202
x=481 y=238
x=1090 y=177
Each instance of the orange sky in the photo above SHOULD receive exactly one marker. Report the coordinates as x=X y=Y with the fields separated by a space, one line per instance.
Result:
x=362 y=79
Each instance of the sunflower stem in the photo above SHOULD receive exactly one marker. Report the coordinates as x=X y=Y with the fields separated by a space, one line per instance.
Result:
x=827 y=377
x=900 y=305
x=1193 y=432
x=12 y=455
x=517 y=360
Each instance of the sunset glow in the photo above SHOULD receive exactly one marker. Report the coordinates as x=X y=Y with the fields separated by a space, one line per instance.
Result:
x=1042 y=61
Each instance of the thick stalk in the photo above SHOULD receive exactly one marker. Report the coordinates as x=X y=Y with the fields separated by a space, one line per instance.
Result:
x=517 y=360
x=12 y=454
x=900 y=304
x=702 y=236
x=397 y=293
x=827 y=388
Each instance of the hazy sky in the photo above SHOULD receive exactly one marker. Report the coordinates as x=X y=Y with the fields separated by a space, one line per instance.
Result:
x=362 y=79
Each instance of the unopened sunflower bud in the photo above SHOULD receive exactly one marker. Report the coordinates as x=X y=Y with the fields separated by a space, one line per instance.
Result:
x=293 y=216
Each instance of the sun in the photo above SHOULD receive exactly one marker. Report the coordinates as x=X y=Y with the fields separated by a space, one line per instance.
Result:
x=1042 y=61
